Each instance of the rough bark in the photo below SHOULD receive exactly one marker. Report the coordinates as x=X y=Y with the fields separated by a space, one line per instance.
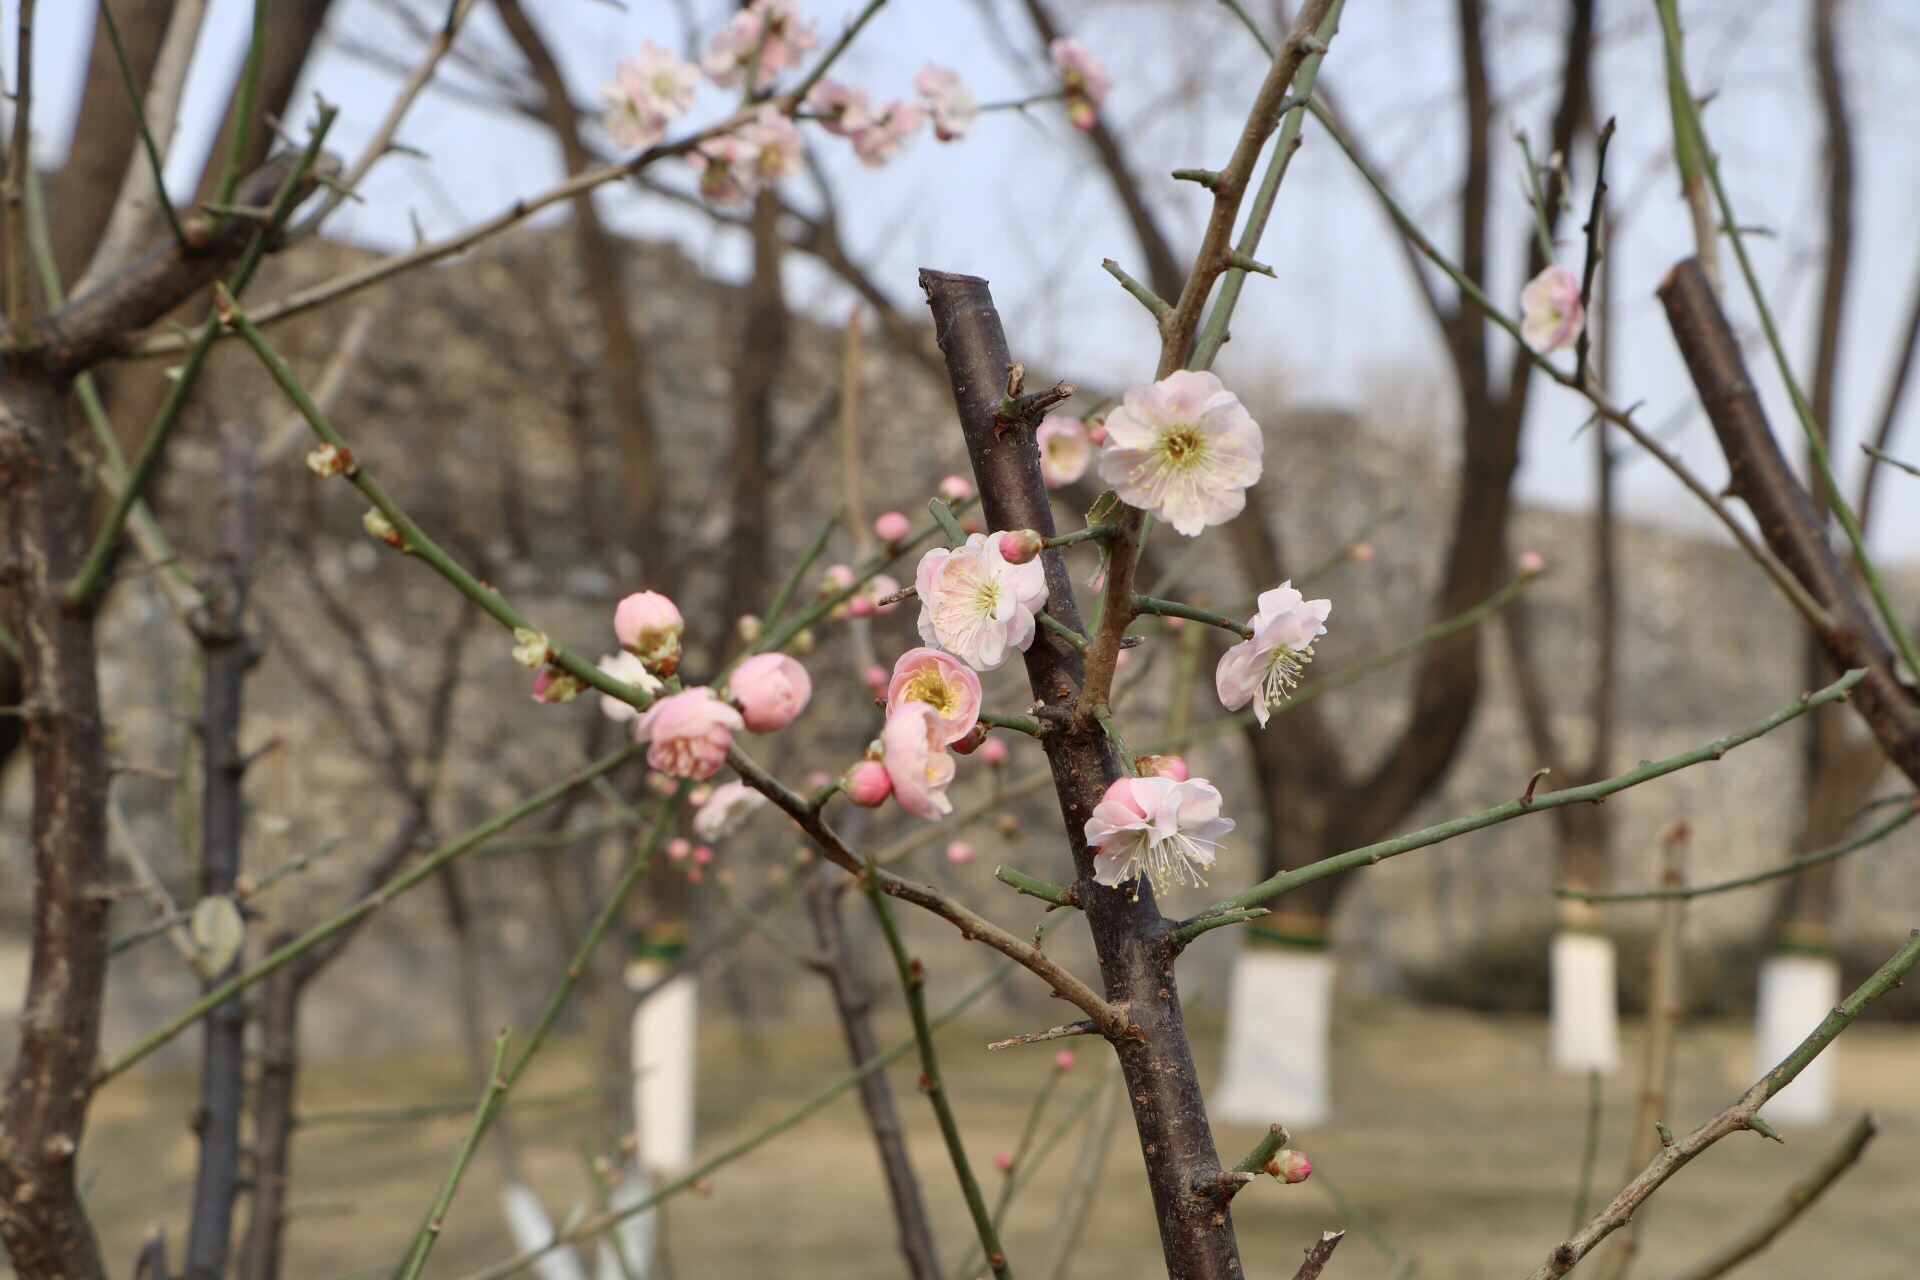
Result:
x=1762 y=478
x=854 y=1004
x=1129 y=933
x=42 y=1220
x=763 y=345
x=624 y=358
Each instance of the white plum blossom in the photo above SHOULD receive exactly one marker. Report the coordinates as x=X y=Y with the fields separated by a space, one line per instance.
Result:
x=839 y=108
x=726 y=811
x=1065 y=449
x=628 y=669
x=773 y=29
x=886 y=131
x=738 y=166
x=1551 y=313
x=948 y=98
x=1264 y=669
x=975 y=605
x=650 y=91
x=1085 y=79
x=1165 y=829
x=1183 y=448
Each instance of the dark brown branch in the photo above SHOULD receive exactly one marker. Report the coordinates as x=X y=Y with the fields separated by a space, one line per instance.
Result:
x=1762 y=478
x=1319 y=1254
x=1129 y=933
x=273 y=1120
x=762 y=351
x=855 y=1006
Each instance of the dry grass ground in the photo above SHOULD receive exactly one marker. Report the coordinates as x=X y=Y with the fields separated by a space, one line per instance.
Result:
x=1451 y=1134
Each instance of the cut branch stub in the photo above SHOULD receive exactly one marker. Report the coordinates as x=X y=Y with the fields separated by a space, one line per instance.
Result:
x=1129 y=933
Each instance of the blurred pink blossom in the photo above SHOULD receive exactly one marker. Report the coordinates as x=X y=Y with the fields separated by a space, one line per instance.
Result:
x=649 y=92
x=1065 y=449
x=1551 y=313
x=994 y=752
x=892 y=526
x=948 y=98
x=960 y=853
x=1085 y=79
x=690 y=733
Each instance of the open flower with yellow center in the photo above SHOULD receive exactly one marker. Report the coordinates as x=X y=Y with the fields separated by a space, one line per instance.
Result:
x=1163 y=829
x=1183 y=448
x=1264 y=669
x=943 y=683
x=975 y=605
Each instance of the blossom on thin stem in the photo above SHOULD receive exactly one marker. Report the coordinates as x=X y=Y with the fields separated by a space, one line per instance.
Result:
x=1164 y=829
x=770 y=30
x=917 y=761
x=868 y=784
x=649 y=92
x=726 y=810
x=1065 y=449
x=1264 y=669
x=947 y=685
x=689 y=733
x=770 y=689
x=1183 y=448
x=1551 y=313
x=839 y=108
x=975 y=605
x=648 y=625
x=888 y=129
x=737 y=166
x=1085 y=79
x=627 y=669
x=948 y=99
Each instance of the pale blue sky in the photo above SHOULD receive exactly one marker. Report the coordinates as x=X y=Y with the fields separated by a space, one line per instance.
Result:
x=1020 y=203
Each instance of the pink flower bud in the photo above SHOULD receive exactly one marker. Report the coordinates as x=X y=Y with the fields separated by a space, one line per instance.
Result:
x=749 y=627
x=703 y=854
x=1532 y=563
x=660 y=784
x=1097 y=433
x=970 y=527
x=876 y=678
x=1175 y=624
x=649 y=626
x=818 y=779
x=698 y=797
x=868 y=784
x=994 y=752
x=1361 y=553
x=770 y=689
x=860 y=607
x=879 y=587
x=961 y=854
x=1008 y=825
x=1163 y=767
x=1064 y=1060
x=696 y=875
x=892 y=527
x=836 y=579
x=970 y=741
x=1021 y=545
x=1291 y=1167
x=1003 y=1162
x=554 y=685
x=679 y=848
x=955 y=489
x=1121 y=659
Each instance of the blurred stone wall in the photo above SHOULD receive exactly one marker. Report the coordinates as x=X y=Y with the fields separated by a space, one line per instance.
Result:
x=474 y=402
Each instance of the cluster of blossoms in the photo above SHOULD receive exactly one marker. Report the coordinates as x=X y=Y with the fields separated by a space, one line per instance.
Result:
x=1165 y=825
x=761 y=43
x=933 y=704
x=689 y=732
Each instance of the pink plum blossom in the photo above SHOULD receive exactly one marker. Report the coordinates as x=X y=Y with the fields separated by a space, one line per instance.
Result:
x=892 y=526
x=1065 y=449
x=1021 y=545
x=703 y=854
x=775 y=29
x=961 y=854
x=1168 y=830
x=839 y=108
x=886 y=132
x=975 y=605
x=917 y=761
x=679 y=848
x=954 y=490
x=1551 y=313
x=627 y=669
x=868 y=784
x=1263 y=670
x=1064 y=1060
x=1085 y=78
x=734 y=167
x=1183 y=448
x=690 y=733
x=770 y=689
x=650 y=91
x=837 y=578
x=948 y=98
x=726 y=810
x=648 y=625
x=948 y=686
x=994 y=752
x=1290 y=1166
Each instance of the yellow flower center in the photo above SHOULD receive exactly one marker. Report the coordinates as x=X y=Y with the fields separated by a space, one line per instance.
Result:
x=1183 y=446
x=931 y=687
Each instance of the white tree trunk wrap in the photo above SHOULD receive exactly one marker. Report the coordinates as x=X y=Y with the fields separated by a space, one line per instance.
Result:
x=1585 y=1003
x=1279 y=1020
x=1796 y=992
x=532 y=1229
x=664 y=1060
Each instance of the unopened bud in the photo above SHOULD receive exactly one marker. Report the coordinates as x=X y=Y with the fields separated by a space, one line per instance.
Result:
x=868 y=784
x=679 y=848
x=703 y=854
x=1020 y=546
x=696 y=875
x=381 y=527
x=836 y=579
x=553 y=685
x=970 y=527
x=660 y=784
x=1291 y=1167
x=892 y=527
x=802 y=641
x=860 y=607
x=648 y=626
x=531 y=649
x=1361 y=553
x=876 y=677
x=331 y=460
x=750 y=628
x=1003 y=1162
x=818 y=779
x=699 y=796
x=1008 y=825
x=955 y=489
x=1064 y=1060
x=1097 y=432
x=1162 y=767
x=994 y=752
x=1532 y=563
x=975 y=738
x=961 y=854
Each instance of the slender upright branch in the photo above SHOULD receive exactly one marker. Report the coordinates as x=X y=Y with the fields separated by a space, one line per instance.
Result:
x=19 y=286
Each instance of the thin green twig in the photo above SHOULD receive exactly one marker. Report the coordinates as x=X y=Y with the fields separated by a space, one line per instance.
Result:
x=497 y=1084
x=244 y=108
x=147 y=143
